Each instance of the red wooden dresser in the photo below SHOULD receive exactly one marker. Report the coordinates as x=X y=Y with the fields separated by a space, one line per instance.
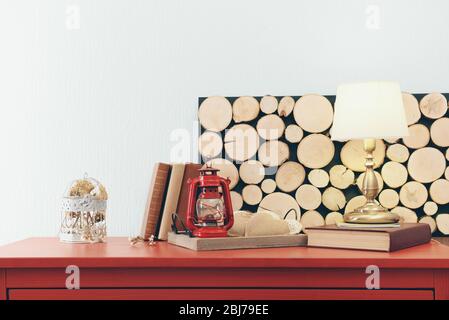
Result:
x=36 y=269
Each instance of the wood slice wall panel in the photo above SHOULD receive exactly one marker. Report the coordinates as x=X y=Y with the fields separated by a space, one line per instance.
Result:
x=423 y=110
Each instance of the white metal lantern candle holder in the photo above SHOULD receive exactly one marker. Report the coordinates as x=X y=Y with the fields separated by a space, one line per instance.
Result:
x=84 y=212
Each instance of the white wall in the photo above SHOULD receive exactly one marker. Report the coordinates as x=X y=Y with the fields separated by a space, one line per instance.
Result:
x=102 y=94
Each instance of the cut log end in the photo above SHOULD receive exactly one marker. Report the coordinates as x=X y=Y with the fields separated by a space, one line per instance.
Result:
x=268 y=104
x=268 y=186
x=245 y=109
x=341 y=177
x=308 y=197
x=252 y=194
x=286 y=106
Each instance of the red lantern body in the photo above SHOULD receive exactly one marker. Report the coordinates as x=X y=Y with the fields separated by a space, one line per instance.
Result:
x=209 y=211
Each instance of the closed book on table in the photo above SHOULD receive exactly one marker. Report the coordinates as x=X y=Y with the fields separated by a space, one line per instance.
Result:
x=377 y=239
x=155 y=200
x=171 y=200
x=190 y=172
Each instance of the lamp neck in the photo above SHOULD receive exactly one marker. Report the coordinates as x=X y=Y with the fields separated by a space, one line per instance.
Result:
x=370 y=187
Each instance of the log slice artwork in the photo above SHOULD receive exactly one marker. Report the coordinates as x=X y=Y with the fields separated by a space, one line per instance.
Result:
x=419 y=136
x=353 y=156
x=433 y=105
x=268 y=104
x=413 y=195
x=270 y=127
x=426 y=165
x=245 y=109
x=315 y=151
x=439 y=131
x=286 y=106
x=308 y=197
x=313 y=113
x=411 y=106
x=241 y=142
x=290 y=176
x=215 y=113
x=273 y=153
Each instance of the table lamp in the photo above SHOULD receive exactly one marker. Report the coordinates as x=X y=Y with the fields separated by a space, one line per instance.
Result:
x=369 y=111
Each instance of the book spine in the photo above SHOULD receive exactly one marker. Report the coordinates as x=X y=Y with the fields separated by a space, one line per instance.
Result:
x=402 y=239
x=155 y=199
x=171 y=200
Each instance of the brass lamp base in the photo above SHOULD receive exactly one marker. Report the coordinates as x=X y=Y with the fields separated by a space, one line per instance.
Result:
x=371 y=213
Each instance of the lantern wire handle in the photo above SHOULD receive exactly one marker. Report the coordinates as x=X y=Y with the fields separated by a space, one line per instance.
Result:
x=288 y=212
x=174 y=218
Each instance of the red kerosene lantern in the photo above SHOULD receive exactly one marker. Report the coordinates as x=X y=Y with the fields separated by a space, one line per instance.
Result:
x=209 y=211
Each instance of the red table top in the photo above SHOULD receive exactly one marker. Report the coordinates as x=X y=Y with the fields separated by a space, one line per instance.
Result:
x=118 y=253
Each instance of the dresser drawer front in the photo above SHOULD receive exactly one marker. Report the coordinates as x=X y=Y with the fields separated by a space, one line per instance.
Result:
x=221 y=278
x=217 y=294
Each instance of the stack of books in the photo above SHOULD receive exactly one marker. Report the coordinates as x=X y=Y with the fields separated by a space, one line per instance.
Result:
x=388 y=237
x=168 y=194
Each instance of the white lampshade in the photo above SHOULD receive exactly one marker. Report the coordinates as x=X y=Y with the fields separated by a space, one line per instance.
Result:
x=369 y=110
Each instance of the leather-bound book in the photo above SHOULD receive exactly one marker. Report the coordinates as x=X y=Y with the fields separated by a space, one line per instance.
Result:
x=171 y=200
x=190 y=172
x=377 y=239
x=155 y=200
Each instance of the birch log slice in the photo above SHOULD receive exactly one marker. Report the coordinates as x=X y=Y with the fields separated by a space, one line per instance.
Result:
x=311 y=219
x=411 y=106
x=394 y=174
x=333 y=218
x=391 y=140
x=413 y=195
x=426 y=165
x=252 y=194
x=380 y=181
x=308 y=197
x=273 y=153
x=215 y=113
x=293 y=133
x=439 y=131
x=241 y=142
x=268 y=186
x=210 y=144
x=280 y=203
x=227 y=170
x=236 y=200
x=389 y=198
x=443 y=223
x=447 y=154
x=245 y=109
x=341 y=177
x=252 y=172
x=355 y=203
x=270 y=127
x=433 y=105
x=268 y=104
x=430 y=221
x=446 y=173
x=439 y=191
x=419 y=136
x=333 y=199
x=398 y=152
x=319 y=178
x=286 y=106
x=313 y=113
x=353 y=156
x=430 y=208
x=406 y=215
x=315 y=151
x=290 y=176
